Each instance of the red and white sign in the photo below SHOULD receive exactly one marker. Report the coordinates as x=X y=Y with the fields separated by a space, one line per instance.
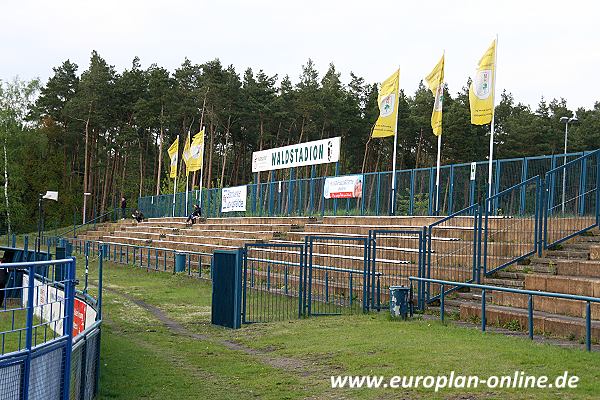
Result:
x=343 y=187
x=79 y=317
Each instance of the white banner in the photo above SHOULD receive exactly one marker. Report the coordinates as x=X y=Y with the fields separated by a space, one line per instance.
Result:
x=343 y=187
x=233 y=199
x=49 y=305
x=297 y=155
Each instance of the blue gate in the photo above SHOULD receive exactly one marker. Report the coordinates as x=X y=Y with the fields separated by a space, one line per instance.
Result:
x=338 y=275
x=273 y=282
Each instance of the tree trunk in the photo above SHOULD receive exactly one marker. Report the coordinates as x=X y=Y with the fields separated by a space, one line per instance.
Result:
x=86 y=164
x=210 y=154
x=160 y=150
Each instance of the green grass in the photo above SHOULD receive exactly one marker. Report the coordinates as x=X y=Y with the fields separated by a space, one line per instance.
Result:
x=142 y=358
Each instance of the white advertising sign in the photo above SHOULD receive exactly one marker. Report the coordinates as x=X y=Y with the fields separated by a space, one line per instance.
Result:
x=343 y=187
x=297 y=155
x=49 y=305
x=233 y=199
x=473 y=170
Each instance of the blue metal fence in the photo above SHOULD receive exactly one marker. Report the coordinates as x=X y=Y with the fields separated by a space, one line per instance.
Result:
x=286 y=193
x=46 y=352
x=486 y=289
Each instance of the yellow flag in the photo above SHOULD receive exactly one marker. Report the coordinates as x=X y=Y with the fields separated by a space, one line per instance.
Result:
x=174 y=156
x=481 y=92
x=388 y=107
x=186 y=154
x=435 y=81
x=194 y=162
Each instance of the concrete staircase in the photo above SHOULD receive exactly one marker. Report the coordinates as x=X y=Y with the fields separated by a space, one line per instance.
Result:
x=572 y=267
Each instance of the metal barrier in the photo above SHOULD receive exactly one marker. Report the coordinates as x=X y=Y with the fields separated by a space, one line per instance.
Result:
x=39 y=358
x=273 y=281
x=339 y=279
x=395 y=256
x=485 y=289
x=511 y=225
x=572 y=199
x=197 y=264
x=452 y=249
x=285 y=193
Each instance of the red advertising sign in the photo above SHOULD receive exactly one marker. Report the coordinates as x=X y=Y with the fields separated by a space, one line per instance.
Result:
x=79 y=317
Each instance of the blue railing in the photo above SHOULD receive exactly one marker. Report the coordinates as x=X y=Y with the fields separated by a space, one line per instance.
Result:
x=47 y=350
x=572 y=199
x=485 y=289
x=285 y=193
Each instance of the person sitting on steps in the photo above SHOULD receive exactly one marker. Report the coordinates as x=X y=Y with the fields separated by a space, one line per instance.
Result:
x=138 y=215
x=194 y=215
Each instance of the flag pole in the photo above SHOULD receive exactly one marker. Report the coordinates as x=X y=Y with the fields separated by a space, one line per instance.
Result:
x=490 y=159
x=175 y=184
x=202 y=170
x=393 y=199
x=437 y=175
x=187 y=177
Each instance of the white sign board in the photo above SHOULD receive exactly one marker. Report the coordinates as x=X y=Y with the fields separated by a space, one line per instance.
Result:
x=233 y=199
x=297 y=155
x=473 y=170
x=49 y=305
x=343 y=187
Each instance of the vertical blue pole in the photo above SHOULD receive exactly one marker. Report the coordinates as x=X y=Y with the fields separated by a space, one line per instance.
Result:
x=337 y=170
x=290 y=190
x=431 y=191
x=582 y=186
x=451 y=194
x=68 y=326
x=271 y=194
x=411 y=201
x=522 y=208
x=378 y=192
x=497 y=185
x=255 y=193
x=551 y=185
x=312 y=189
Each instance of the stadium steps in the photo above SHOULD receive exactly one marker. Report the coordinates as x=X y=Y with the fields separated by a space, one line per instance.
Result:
x=568 y=269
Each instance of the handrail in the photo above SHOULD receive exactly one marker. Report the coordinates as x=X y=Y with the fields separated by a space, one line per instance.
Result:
x=530 y=293
x=572 y=161
x=86 y=223
x=509 y=290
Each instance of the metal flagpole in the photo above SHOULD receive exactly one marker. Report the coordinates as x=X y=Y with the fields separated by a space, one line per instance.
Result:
x=202 y=169
x=175 y=184
x=437 y=176
x=393 y=199
x=490 y=160
x=187 y=177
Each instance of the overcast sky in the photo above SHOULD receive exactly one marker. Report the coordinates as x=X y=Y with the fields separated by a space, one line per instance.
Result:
x=546 y=48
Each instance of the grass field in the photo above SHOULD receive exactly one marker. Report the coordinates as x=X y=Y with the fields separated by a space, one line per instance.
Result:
x=158 y=343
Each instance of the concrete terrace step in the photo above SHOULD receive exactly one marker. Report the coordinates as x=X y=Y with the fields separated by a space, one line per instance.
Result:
x=172 y=245
x=544 y=322
x=572 y=308
x=582 y=286
x=243 y=220
x=509 y=283
x=580 y=268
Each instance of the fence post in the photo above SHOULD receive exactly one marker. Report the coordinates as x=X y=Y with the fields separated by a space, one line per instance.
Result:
x=451 y=194
x=271 y=194
x=523 y=179
x=337 y=170
x=312 y=189
x=411 y=202
x=582 y=186
x=68 y=325
x=290 y=190
x=598 y=189
x=431 y=191
x=377 y=193
x=497 y=185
